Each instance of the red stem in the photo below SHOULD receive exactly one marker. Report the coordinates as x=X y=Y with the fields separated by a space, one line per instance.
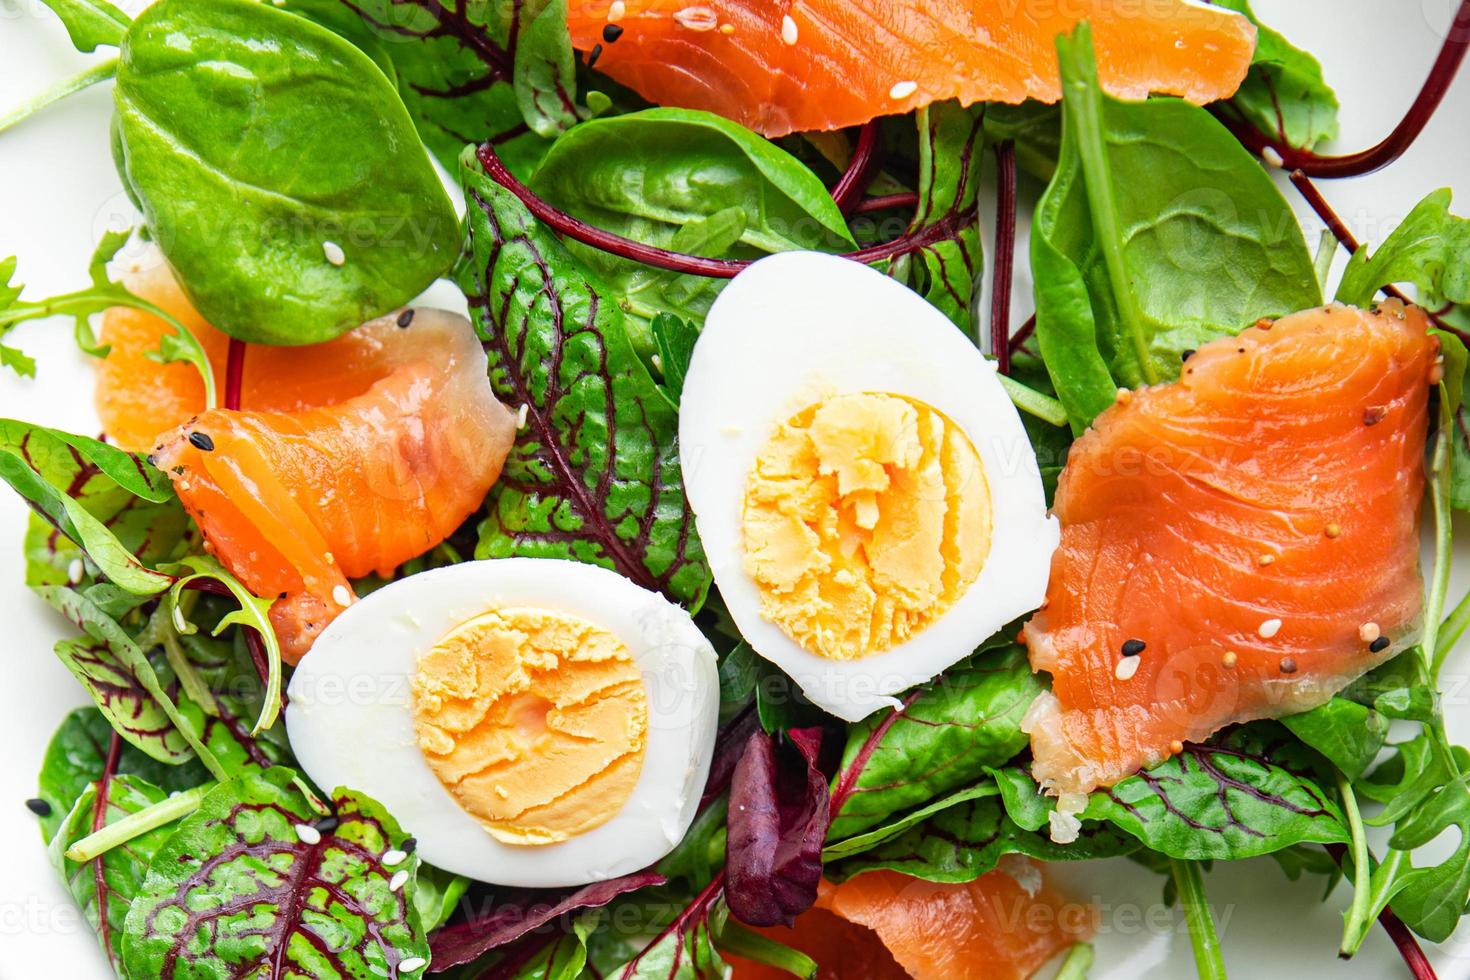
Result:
x=868 y=205
x=234 y=374
x=847 y=779
x=1403 y=939
x=99 y=820
x=1441 y=75
x=1022 y=335
x=1005 y=255
x=859 y=172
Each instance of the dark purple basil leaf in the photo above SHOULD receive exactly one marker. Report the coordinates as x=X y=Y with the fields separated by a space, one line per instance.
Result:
x=777 y=823
x=463 y=942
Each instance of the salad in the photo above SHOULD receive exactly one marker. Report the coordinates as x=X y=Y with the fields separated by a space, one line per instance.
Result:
x=729 y=594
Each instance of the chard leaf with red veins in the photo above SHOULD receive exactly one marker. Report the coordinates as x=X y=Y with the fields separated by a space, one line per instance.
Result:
x=242 y=890
x=124 y=699
x=511 y=920
x=594 y=475
x=777 y=822
x=684 y=949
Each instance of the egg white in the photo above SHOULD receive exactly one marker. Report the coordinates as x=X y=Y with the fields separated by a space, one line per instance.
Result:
x=350 y=717
x=799 y=327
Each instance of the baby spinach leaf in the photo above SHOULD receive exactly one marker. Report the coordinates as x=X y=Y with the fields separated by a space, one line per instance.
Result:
x=90 y=23
x=330 y=909
x=1284 y=92
x=1248 y=793
x=946 y=269
x=963 y=842
x=1349 y=734
x=647 y=175
x=122 y=869
x=594 y=475
x=1158 y=233
x=1430 y=249
x=777 y=821
x=966 y=720
x=124 y=699
x=436 y=895
x=253 y=140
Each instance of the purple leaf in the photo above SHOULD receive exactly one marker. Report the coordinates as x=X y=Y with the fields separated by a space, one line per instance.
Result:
x=777 y=823
x=466 y=941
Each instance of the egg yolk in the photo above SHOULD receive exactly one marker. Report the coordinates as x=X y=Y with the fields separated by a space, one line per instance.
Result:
x=535 y=721
x=866 y=517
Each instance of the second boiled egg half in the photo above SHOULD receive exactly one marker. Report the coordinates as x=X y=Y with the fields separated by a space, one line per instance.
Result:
x=866 y=493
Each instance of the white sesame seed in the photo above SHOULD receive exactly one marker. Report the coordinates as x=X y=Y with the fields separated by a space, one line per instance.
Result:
x=902 y=90
x=788 y=30
x=1126 y=668
x=308 y=834
x=697 y=18
x=1270 y=155
x=334 y=253
x=412 y=964
x=74 y=571
x=617 y=10
x=1269 y=628
x=522 y=414
x=393 y=858
x=1369 y=632
x=342 y=596
x=399 y=880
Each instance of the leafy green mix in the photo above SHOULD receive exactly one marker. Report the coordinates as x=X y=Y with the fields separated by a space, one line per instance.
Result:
x=1156 y=232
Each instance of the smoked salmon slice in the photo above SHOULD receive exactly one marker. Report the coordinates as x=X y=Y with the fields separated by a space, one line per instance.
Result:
x=350 y=457
x=1238 y=544
x=791 y=65
x=882 y=925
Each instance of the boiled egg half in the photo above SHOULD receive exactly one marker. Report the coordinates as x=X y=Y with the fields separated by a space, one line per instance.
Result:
x=531 y=722
x=866 y=493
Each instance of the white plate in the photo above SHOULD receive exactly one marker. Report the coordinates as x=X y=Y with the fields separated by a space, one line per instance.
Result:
x=58 y=192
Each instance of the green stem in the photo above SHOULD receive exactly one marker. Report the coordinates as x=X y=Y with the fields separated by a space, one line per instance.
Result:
x=136 y=824
x=1383 y=886
x=737 y=940
x=1357 y=919
x=1082 y=105
x=1326 y=252
x=1455 y=624
x=1033 y=402
x=1208 y=957
x=1077 y=964
x=1439 y=583
x=99 y=72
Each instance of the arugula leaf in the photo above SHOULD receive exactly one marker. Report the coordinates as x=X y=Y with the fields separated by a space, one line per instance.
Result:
x=1284 y=91
x=674 y=339
x=647 y=175
x=946 y=271
x=594 y=476
x=90 y=23
x=328 y=909
x=1249 y=792
x=1430 y=249
x=1155 y=218
x=244 y=225
x=962 y=842
x=958 y=725
x=1349 y=734
x=122 y=870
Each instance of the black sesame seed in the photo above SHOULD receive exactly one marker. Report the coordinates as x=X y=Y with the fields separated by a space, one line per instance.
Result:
x=327 y=824
x=1288 y=665
x=611 y=32
x=1187 y=354
x=1379 y=645
x=1132 y=648
x=593 y=55
x=409 y=845
x=405 y=318
x=39 y=807
x=201 y=440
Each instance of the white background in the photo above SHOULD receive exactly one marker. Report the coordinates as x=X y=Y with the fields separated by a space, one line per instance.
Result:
x=58 y=191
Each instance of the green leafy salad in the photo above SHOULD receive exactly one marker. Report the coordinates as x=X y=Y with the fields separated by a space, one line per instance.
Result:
x=732 y=592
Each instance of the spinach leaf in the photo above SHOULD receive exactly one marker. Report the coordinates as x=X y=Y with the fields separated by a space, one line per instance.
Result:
x=436 y=895
x=330 y=909
x=1158 y=233
x=1349 y=734
x=647 y=175
x=75 y=757
x=966 y=720
x=1430 y=249
x=946 y=269
x=90 y=23
x=1284 y=92
x=963 y=842
x=254 y=140
x=594 y=475
x=1250 y=792
x=122 y=870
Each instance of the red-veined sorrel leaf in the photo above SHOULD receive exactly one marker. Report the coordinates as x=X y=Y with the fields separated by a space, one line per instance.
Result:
x=594 y=475
x=684 y=949
x=274 y=900
x=1284 y=93
x=777 y=823
x=510 y=920
x=124 y=699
